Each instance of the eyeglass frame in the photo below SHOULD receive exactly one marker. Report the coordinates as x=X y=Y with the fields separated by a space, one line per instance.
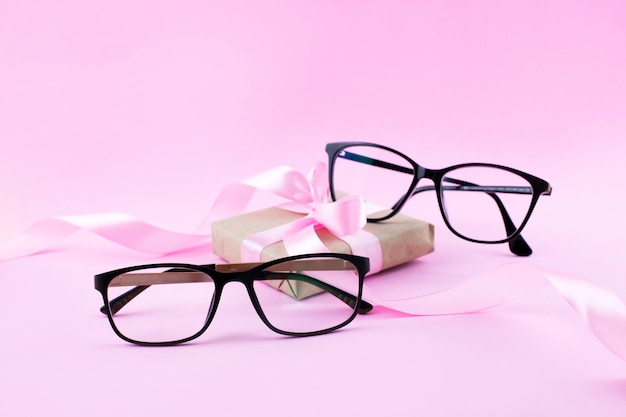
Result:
x=516 y=242
x=247 y=274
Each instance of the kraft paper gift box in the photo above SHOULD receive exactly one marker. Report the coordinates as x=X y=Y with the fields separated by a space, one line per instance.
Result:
x=401 y=239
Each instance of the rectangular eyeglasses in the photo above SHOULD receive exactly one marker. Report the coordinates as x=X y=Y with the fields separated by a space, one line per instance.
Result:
x=171 y=303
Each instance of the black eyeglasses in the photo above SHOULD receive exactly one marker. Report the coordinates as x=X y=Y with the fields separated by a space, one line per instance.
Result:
x=472 y=197
x=172 y=303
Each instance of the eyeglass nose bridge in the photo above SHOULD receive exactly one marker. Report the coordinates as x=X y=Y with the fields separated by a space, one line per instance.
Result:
x=423 y=173
x=242 y=272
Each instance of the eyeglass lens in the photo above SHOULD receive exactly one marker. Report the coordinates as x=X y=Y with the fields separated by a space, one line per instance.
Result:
x=380 y=176
x=320 y=311
x=174 y=305
x=474 y=197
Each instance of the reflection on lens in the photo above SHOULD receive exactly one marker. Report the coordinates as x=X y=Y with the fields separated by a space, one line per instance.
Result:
x=173 y=306
x=478 y=200
x=334 y=280
x=382 y=177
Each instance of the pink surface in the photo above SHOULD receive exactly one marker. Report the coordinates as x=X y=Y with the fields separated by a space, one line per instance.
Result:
x=151 y=108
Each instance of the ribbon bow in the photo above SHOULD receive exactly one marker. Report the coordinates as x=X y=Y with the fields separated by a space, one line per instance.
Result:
x=310 y=195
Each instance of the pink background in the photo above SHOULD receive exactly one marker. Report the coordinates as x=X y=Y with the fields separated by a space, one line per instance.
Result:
x=150 y=108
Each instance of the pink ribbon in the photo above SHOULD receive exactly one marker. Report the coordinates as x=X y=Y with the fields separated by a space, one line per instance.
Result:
x=310 y=195
x=603 y=312
x=306 y=195
x=120 y=228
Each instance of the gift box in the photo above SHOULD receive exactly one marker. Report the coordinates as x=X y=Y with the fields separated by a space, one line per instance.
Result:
x=401 y=239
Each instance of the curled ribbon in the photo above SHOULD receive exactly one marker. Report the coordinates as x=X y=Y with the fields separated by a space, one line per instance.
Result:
x=306 y=195
x=120 y=228
x=601 y=309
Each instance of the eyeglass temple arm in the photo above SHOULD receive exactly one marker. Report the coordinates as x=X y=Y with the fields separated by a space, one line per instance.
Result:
x=363 y=306
x=517 y=245
x=119 y=302
x=374 y=162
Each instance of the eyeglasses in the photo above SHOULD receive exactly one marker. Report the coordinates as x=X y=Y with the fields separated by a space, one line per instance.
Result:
x=172 y=303
x=472 y=197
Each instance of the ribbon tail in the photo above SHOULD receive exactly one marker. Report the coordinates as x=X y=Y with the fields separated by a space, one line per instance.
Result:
x=231 y=200
x=281 y=181
x=600 y=308
x=39 y=237
x=603 y=312
x=120 y=228
x=480 y=292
